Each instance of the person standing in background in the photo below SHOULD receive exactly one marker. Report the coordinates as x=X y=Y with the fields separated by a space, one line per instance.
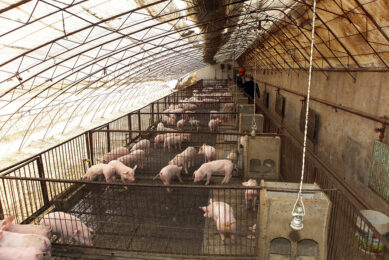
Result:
x=249 y=85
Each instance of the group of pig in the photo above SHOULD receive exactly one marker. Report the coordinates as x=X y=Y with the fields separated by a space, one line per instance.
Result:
x=32 y=242
x=117 y=163
x=186 y=109
x=210 y=166
x=186 y=159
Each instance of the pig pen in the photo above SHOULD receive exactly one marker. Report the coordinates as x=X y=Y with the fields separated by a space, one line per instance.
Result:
x=147 y=222
x=144 y=218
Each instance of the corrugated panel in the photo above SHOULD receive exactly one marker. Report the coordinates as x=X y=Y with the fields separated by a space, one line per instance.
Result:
x=379 y=172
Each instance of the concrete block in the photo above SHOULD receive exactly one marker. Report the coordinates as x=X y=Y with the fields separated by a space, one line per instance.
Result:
x=276 y=238
x=245 y=122
x=245 y=108
x=262 y=157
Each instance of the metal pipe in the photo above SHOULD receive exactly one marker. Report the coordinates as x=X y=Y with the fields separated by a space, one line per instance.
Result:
x=331 y=104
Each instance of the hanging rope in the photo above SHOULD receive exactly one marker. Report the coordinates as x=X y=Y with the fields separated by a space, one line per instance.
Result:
x=300 y=213
x=254 y=123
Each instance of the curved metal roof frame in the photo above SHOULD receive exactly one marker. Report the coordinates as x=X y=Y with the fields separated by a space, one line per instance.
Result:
x=341 y=41
x=73 y=74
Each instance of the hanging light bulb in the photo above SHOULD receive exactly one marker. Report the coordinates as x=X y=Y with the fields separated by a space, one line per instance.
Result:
x=297 y=220
x=253 y=130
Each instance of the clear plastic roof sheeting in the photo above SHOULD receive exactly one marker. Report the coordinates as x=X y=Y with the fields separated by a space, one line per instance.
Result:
x=63 y=62
x=69 y=63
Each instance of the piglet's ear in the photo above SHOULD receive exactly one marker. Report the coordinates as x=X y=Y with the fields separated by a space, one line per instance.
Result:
x=245 y=183
x=7 y=222
x=91 y=230
x=210 y=201
x=135 y=167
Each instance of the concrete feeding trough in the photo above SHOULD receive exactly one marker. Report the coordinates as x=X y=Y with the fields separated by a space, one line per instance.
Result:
x=244 y=109
x=245 y=122
x=276 y=239
x=262 y=157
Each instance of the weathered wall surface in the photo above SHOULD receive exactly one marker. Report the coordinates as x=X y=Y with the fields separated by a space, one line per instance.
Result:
x=345 y=140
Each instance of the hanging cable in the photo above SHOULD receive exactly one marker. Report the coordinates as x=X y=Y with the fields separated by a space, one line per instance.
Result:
x=254 y=123
x=298 y=212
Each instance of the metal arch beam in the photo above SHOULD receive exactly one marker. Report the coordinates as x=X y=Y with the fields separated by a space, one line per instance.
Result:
x=100 y=44
x=259 y=50
x=290 y=40
x=256 y=55
x=105 y=20
x=104 y=43
x=315 y=46
x=77 y=106
x=40 y=18
x=116 y=103
x=96 y=100
x=363 y=37
x=371 y=18
x=100 y=59
x=119 y=75
x=335 y=36
x=292 y=23
x=272 y=56
x=72 y=103
x=111 y=54
x=275 y=49
x=139 y=72
x=28 y=129
x=158 y=36
x=82 y=29
x=301 y=32
x=12 y=6
x=258 y=58
x=286 y=51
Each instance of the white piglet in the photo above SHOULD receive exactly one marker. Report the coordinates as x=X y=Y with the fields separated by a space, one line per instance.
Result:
x=100 y=169
x=223 y=214
x=208 y=151
x=175 y=141
x=114 y=154
x=23 y=241
x=220 y=166
x=167 y=173
x=67 y=226
x=186 y=158
x=142 y=145
x=234 y=157
x=194 y=123
x=180 y=124
x=7 y=225
x=126 y=173
x=135 y=157
x=160 y=127
x=250 y=194
x=213 y=124
x=15 y=253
